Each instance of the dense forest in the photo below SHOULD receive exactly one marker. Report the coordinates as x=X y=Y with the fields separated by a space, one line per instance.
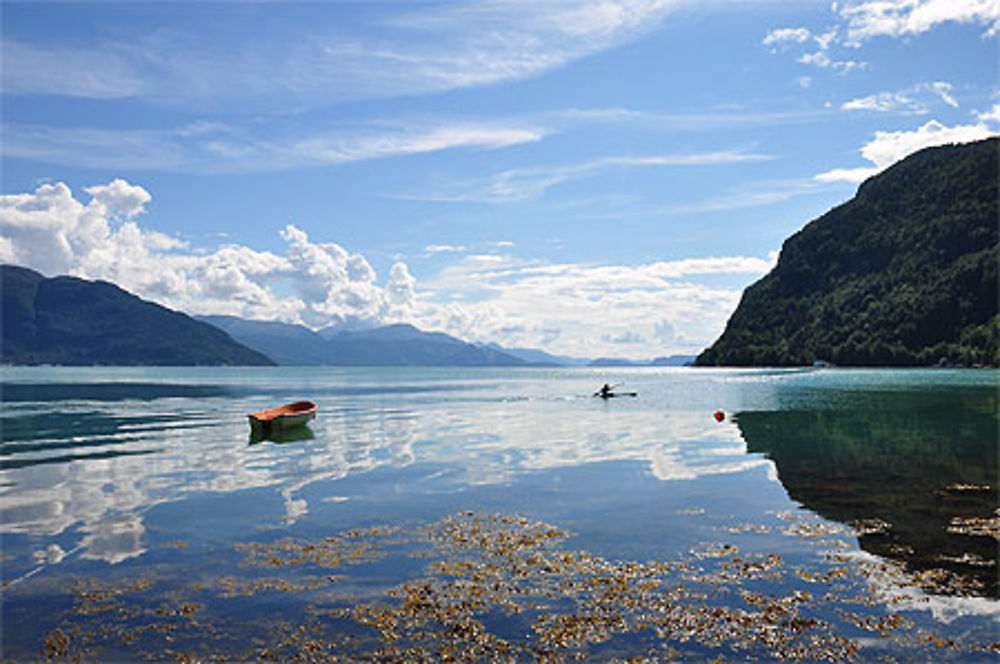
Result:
x=65 y=320
x=904 y=274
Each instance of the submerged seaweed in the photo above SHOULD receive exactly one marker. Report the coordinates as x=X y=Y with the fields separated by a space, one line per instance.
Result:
x=498 y=588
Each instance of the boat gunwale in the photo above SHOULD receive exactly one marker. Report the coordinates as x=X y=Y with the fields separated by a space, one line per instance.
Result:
x=297 y=409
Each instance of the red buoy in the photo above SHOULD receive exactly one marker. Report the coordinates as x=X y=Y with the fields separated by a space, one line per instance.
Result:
x=719 y=416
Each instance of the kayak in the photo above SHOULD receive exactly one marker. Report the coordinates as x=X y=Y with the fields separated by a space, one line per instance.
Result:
x=283 y=417
x=611 y=395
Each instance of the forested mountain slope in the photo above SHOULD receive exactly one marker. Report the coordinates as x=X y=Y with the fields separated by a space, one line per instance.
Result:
x=65 y=320
x=904 y=274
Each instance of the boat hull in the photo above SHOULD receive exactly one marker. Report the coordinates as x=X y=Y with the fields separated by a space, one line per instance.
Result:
x=285 y=417
x=612 y=395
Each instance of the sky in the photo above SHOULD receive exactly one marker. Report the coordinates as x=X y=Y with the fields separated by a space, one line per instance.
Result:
x=594 y=179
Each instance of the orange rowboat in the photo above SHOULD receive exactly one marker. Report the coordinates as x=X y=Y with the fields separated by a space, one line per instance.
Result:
x=284 y=417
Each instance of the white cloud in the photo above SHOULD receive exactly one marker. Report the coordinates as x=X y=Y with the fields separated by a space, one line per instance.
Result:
x=589 y=310
x=787 y=35
x=899 y=18
x=206 y=147
x=823 y=60
x=992 y=115
x=222 y=149
x=888 y=147
x=329 y=55
x=784 y=39
x=315 y=283
x=68 y=70
x=527 y=183
x=859 y=174
x=339 y=149
x=119 y=199
x=432 y=249
x=861 y=20
x=911 y=101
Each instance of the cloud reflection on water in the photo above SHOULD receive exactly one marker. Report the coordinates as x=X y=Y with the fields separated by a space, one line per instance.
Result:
x=481 y=440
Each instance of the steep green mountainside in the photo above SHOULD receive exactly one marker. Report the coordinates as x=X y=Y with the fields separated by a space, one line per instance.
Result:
x=65 y=320
x=904 y=274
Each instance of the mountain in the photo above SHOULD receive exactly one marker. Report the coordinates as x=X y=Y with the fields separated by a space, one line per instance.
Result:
x=286 y=344
x=674 y=361
x=903 y=274
x=401 y=345
x=65 y=320
x=537 y=357
x=671 y=361
x=391 y=345
x=615 y=362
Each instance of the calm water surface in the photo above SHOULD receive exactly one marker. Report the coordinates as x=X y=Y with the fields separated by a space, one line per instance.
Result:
x=844 y=514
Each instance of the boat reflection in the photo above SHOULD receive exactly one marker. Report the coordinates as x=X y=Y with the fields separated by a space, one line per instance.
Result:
x=914 y=473
x=280 y=436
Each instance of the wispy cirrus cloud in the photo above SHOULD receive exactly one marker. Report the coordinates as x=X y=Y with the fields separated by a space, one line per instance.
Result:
x=390 y=50
x=527 y=183
x=913 y=100
x=234 y=146
x=220 y=148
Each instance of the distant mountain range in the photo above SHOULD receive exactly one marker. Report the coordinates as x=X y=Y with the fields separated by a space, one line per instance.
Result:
x=391 y=345
x=70 y=321
x=671 y=361
x=904 y=274
x=395 y=345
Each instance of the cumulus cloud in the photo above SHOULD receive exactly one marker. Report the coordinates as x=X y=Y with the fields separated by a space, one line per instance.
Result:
x=897 y=18
x=787 y=35
x=822 y=59
x=992 y=115
x=596 y=309
x=314 y=283
x=578 y=309
x=888 y=147
x=858 y=21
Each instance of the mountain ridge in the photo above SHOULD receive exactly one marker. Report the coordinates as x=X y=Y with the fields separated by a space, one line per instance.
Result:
x=903 y=274
x=70 y=321
x=399 y=344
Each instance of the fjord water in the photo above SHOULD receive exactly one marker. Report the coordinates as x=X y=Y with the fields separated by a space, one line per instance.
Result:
x=146 y=483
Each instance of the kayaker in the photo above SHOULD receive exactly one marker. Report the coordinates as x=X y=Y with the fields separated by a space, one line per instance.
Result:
x=605 y=391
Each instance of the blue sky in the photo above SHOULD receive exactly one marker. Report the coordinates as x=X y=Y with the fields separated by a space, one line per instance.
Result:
x=591 y=178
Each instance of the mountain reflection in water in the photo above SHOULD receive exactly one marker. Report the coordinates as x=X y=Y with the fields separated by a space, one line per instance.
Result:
x=914 y=472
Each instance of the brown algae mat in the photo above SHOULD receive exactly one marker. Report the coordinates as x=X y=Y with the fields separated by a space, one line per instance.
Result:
x=498 y=588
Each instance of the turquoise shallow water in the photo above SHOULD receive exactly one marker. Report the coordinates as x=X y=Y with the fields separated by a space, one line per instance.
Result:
x=144 y=489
